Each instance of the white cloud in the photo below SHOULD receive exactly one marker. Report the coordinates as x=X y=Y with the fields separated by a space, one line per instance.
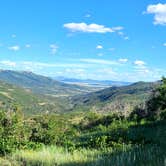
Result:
x=139 y=63
x=90 y=28
x=159 y=11
x=8 y=63
x=50 y=65
x=99 y=47
x=27 y=45
x=14 y=48
x=144 y=70
x=99 y=61
x=117 y=28
x=123 y=60
x=87 y=69
x=53 y=48
x=164 y=44
x=120 y=33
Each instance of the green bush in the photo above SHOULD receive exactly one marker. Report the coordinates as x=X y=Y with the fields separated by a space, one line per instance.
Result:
x=155 y=106
x=12 y=132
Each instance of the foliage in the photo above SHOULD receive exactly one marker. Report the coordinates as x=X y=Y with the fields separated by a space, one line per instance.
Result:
x=30 y=102
x=11 y=131
x=155 y=107
x=87 y=138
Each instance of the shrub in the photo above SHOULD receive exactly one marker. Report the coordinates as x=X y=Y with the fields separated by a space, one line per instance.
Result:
x=11 y=131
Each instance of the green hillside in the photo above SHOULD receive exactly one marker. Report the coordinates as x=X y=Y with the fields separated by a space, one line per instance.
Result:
x=123 y=98
x=41 y=84
x=29 y=102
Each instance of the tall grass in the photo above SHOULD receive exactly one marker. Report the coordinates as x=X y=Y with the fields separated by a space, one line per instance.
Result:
x=53 y=156
x=49 y=156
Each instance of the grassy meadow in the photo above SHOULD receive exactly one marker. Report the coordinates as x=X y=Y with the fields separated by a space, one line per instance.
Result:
x=52 y=156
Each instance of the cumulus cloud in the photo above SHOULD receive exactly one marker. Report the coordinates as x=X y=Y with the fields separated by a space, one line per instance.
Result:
x=14 y=48
x=99 y=47
x=139 y=63
x=90 y=28
x=53 y=48
x=159 y=11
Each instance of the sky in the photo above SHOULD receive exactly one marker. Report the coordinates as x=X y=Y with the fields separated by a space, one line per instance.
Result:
x=120 y=40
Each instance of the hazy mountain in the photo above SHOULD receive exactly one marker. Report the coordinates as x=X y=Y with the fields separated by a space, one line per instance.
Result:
x=94 y=83
x=41 y=84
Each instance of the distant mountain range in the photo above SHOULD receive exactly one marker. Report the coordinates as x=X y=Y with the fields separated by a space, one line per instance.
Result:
x=93 y=83
x=37 y=94
x=42 y=85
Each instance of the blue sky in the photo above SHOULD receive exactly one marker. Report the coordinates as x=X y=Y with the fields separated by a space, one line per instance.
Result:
x=120 y=40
